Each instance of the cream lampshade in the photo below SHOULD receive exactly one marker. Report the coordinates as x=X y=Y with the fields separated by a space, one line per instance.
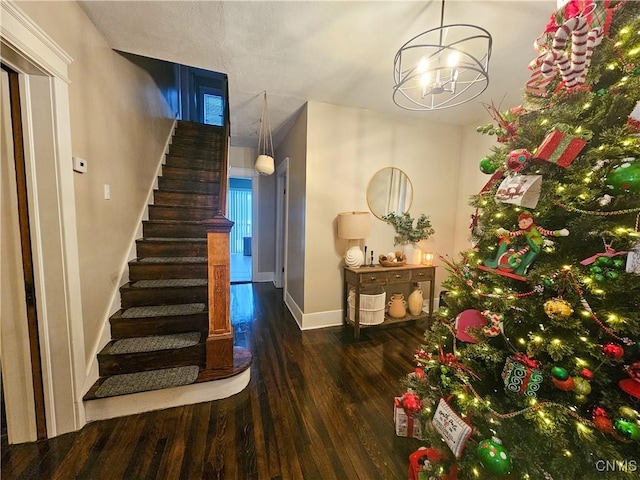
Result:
x=354 y=226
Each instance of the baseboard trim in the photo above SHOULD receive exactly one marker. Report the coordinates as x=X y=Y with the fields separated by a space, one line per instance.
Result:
x=263 y=277
x=293 y=308
x=330 y=318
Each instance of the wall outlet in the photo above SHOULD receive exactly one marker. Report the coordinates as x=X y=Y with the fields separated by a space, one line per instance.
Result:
x=79 y=165
x=107 y=192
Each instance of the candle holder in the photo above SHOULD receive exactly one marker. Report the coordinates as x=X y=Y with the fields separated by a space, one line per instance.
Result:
x=427 y=259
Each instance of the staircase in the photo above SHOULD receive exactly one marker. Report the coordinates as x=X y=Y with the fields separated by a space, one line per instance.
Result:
x=159 y=336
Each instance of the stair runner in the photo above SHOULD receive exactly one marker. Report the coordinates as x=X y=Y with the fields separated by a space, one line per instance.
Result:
x=158 y=335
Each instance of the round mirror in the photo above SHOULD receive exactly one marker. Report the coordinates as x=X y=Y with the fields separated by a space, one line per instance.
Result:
x=389 y=191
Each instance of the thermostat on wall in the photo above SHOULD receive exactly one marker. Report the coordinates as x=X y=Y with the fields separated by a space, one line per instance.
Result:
x=79 y=165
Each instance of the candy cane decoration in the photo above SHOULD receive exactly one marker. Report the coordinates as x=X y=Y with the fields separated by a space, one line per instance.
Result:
x=573 y=68
x=594 y=38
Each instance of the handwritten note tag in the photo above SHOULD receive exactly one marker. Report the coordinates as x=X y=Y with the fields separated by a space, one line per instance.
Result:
x=453 y=429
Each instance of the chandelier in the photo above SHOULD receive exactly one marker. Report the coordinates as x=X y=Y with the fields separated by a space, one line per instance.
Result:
x=442 y=67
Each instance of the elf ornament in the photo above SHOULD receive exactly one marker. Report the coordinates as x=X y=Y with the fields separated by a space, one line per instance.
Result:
x=520 y=260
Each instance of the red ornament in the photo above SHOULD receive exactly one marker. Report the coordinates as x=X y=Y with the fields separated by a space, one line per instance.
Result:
x=613 y=350
x=419 y=373
x=518 y=159
x=586 y=374
x=632 y=385
x=565 y=385
x=411 y=403
x=603 y=424
x=600 y=412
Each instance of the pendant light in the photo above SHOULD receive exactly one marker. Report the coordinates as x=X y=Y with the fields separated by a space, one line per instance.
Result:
x=265 y=165
x=443 y=67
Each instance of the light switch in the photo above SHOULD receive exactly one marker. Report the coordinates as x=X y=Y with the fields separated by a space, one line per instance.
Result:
x=79 y=165
x=107 y=192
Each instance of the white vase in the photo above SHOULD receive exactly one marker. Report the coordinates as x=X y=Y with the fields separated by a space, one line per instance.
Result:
x=413 y=254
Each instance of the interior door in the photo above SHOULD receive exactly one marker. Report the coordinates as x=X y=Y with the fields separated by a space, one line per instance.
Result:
x=18 y=310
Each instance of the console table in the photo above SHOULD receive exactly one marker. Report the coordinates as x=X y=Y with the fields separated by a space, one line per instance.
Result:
x=386 y=277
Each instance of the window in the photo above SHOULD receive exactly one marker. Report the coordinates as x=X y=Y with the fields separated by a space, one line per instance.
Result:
x=213 y=109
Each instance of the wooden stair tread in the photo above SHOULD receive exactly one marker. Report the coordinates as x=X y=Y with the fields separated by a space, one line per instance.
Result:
x=173 y=239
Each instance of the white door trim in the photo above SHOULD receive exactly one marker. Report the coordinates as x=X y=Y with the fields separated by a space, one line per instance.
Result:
x=282 y=223
x=43 y=69
x=243 y=172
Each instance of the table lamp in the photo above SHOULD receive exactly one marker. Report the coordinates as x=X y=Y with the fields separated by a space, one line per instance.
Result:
x=354 y=226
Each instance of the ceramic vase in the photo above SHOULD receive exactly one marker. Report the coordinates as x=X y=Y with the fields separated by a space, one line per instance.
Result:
x=415 y=300
x=413 y=254
x=397 y=306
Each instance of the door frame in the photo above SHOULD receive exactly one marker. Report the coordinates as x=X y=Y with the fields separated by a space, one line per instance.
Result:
x=282 y=223
x=42 y=67
x=242 y=172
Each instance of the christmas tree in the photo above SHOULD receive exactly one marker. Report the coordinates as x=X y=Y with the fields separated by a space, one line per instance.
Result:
x=531 y=369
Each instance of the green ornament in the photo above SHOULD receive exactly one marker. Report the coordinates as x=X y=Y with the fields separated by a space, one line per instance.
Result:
x=601 y=92
x=624 y=177
x=581 y=386
x=488 y=166
x=595 y=269
x=598 y=277
x=494 y=457
x=636 y=71
x=618 y=263
x=604 y=261
x=612 y=275
x=627 y=429
x=559 y=373
x=581 y=399
x=628 y=413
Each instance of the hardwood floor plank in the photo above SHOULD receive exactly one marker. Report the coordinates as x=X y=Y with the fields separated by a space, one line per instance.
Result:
x=319 y=406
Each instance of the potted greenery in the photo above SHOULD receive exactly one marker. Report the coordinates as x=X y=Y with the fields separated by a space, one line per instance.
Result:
x=408 y=233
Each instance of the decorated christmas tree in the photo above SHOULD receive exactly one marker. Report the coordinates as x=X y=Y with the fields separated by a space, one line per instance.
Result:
x=531 y=369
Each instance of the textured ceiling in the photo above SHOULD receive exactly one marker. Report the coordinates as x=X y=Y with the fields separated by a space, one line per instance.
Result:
x=335 y=52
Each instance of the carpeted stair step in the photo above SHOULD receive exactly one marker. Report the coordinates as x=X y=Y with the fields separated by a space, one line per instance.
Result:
x=163 y=292
x=165 y=212
x=185 y=199
x=139 y=354
x=143 y=382
x=200 y=142
x=173 y=229
x=190 y=186
x=159 y=320
x=186 y=128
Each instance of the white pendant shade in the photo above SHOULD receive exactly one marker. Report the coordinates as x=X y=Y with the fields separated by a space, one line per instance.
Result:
x=265 y=165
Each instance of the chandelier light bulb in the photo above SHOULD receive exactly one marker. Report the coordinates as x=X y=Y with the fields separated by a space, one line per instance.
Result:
x=453 y=59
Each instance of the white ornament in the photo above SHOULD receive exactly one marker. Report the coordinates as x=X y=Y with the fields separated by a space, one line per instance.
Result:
x=605 y=200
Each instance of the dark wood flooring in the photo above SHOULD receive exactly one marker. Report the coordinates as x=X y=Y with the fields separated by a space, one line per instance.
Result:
x=319 y=406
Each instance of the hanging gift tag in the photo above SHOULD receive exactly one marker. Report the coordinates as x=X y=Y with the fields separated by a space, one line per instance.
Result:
x=522 y=190
x=633 y=260
x=454 y=430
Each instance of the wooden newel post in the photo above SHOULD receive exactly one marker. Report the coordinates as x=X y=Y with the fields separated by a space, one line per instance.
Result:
x=220 y=339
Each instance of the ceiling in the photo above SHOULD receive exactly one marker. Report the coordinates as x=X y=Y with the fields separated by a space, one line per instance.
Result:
x=337 y=52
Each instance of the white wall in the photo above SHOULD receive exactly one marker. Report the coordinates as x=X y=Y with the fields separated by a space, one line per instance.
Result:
x=345 y=147
x=470 y=181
